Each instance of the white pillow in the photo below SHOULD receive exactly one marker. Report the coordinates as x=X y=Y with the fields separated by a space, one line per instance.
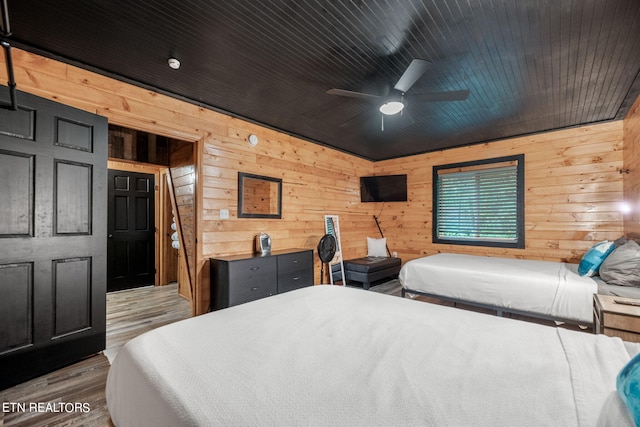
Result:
x=622 y=267
x=377 y=247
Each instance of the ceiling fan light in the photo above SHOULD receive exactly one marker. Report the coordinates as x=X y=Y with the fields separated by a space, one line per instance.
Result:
x=392 y=107
x=173 y=63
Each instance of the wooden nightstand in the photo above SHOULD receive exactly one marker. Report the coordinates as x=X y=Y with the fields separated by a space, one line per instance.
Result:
x=616 y=320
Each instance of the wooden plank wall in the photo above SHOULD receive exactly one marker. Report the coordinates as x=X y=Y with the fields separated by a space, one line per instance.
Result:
x=572 y=180
x=572 y=183
x=316 y=179
x=632 y=163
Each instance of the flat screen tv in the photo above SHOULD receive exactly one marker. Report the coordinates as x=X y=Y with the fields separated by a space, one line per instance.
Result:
x=385 y=188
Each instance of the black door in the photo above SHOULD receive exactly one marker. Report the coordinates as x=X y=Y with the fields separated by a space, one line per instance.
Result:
x=53 y=228
x=131 y=230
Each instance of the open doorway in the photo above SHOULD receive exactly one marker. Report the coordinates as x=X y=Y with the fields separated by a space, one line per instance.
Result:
x=142 y=156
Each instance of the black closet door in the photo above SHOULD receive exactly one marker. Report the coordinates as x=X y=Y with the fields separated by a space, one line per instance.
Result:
x=53 y=218
x=131 y=230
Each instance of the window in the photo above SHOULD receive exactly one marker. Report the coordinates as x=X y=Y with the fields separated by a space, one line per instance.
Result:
x=480 y=203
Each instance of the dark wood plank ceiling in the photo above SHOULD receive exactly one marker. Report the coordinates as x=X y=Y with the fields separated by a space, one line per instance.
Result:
x=530 y=65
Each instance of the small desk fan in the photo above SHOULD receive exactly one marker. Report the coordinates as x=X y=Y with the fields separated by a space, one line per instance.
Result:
x=326 y=252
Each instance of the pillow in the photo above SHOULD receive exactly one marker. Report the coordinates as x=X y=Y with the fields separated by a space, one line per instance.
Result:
x=591 y=261
x=622 y=267
x=620 y=241
x=377 y=247
x=628 y=387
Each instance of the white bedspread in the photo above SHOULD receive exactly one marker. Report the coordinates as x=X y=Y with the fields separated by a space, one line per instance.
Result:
x=335 y=356
x=552 y=289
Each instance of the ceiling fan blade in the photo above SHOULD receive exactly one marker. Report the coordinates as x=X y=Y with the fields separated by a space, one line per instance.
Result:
x=456 y=95
x=352 y=94
x=414 y=71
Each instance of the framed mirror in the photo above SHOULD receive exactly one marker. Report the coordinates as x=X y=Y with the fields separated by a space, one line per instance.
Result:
x=259 y=196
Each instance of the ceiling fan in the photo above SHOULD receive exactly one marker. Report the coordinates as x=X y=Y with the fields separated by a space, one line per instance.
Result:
x=394 y=102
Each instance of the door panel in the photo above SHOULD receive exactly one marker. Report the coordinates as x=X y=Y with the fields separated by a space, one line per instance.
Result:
x=16 y=289
x=131 y=230
x=72 y=198
x=74 y=135
x=18 y=124
x=53 y=228
x=17 y=175
x=72 y=288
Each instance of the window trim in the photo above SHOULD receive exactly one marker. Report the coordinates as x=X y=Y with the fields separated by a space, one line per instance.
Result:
x=520 y=241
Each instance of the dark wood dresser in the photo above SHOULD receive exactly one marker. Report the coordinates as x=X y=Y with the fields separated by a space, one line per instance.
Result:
x=237 y=279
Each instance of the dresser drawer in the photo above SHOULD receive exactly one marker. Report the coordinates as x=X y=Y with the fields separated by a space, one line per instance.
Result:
x=295 y=271
x=252 y=279
x=236 y=279
x=620 y=321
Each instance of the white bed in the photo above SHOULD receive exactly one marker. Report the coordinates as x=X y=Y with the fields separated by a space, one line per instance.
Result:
x=337 y=356
x=546 y=289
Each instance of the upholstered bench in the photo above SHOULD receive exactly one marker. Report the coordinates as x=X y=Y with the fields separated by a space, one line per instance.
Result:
x=369 y=269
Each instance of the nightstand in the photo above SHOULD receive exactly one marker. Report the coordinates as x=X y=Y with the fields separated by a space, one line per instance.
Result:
x=616 y=320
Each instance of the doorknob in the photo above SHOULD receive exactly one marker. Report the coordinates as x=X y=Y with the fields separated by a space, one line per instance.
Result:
x=110 y=236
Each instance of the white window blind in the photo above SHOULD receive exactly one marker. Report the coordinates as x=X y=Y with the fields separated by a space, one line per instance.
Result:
x=479 y=205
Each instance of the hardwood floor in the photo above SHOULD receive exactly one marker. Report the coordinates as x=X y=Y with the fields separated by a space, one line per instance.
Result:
x=75 y=395
x=133 y=312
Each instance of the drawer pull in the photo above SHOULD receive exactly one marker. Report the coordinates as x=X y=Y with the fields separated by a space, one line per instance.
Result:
x=254 y=268
x=255 y=288
x=295 y=261
x=296 y=278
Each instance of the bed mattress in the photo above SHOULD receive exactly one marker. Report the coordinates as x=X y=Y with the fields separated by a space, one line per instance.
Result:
x=548 y=289
x=333 y=355
x=616 y=290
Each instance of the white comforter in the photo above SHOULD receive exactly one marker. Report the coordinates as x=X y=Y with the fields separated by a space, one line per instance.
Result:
x=552 y=289
x=335 y=356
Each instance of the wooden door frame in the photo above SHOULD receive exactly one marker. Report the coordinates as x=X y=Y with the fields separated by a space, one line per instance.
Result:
x=159 y=203
x=200 y=281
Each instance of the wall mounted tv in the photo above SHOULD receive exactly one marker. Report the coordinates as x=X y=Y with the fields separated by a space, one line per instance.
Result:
x=385 y=188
